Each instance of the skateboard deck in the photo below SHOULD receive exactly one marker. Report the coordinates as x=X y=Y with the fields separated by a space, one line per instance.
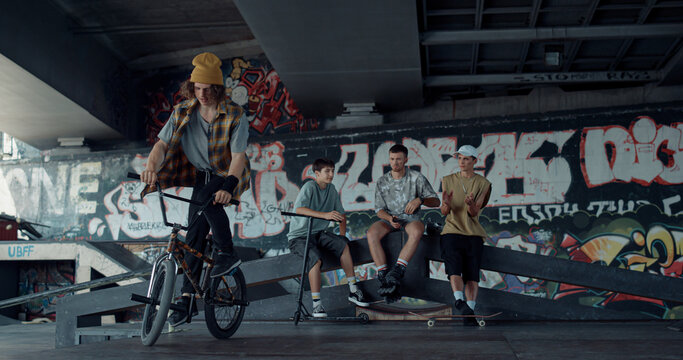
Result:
x=380 y=310
x=431 y=320
x=362 y=318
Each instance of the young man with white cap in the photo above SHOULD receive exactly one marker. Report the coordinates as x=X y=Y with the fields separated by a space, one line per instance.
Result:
x=202 y=145
x=465 y=194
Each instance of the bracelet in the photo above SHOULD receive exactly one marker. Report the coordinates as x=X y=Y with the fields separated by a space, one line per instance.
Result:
x=230 y=184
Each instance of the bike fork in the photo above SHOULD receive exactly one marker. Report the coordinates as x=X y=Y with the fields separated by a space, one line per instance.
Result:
x=154 y=268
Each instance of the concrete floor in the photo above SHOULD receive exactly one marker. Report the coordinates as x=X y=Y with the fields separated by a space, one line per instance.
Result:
x=378 y=340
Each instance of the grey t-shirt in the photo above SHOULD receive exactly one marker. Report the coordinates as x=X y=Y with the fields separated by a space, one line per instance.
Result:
x=392 y=195
x=313 y=197
x=195 y=140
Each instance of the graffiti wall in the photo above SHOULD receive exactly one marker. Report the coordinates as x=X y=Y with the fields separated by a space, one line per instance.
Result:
x=38 y=276
x=252 y=84
x=596 y=187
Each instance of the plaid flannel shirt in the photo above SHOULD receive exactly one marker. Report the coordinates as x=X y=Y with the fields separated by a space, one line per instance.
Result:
x=176 y=170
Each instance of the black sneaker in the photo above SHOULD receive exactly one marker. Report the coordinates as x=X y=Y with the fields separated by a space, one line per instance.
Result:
x=180 y=317
x=225 y=263
x=383 y=287
x=395 y=275
x=460 y=307
x=392 y=281
x=358 y=298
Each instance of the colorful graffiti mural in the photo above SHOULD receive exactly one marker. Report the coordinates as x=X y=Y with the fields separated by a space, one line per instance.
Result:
x=560 y=188
x=637 y=240
x=40 y=276
x=252 y=84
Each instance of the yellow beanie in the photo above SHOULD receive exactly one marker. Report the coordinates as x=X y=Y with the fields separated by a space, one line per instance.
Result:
x=207 y=69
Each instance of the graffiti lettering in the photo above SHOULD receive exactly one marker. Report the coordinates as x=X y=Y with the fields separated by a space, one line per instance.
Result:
x=644 y=153
x=19 y=251
x=533 y=214
x=584 y=76
x=542 y=182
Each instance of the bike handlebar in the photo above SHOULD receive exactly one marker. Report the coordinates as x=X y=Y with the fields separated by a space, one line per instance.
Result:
x=195 y=202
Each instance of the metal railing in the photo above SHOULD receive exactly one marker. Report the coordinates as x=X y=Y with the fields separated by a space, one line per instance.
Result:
x=75 y=287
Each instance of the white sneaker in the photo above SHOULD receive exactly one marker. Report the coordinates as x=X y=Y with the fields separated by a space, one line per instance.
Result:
x=319 y=311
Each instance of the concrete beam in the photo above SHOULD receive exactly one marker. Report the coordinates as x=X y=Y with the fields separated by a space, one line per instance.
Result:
x=672 y=72
x=152 y=28
x=543 y=78
x=333 y=52
x=35 y=36
x=184 y=57
x=551 y=33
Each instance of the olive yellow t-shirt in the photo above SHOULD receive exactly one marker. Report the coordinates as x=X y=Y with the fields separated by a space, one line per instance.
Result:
x=459 y=221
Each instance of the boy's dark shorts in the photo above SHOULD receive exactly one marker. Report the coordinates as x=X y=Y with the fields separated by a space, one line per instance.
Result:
x=462 y=255
x=322 y=241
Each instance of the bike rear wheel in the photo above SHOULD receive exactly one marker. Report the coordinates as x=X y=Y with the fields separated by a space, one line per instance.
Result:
x=222 y=317
x=161 y=295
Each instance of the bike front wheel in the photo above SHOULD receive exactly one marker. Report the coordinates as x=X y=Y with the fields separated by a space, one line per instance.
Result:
x=161 y=294
x=224 y=305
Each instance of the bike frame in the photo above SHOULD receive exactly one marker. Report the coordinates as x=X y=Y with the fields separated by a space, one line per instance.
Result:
x=175 y=248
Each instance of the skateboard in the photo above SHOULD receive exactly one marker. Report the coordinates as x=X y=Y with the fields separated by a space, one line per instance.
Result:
x=362 y=318
x=381 y=310
x=431 y=320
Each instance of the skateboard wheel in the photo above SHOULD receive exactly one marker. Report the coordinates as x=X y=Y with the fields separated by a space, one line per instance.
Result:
x=364 y=318
x=481 y=323
x=430 y=323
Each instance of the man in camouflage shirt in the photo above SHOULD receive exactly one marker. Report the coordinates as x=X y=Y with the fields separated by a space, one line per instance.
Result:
x=398 y=197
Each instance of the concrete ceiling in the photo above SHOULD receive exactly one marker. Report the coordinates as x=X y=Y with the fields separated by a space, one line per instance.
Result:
x=329 y=53
x=67 y=65
x=395 y=53
x=32 y=110
x=152 y=34
x=497 y=47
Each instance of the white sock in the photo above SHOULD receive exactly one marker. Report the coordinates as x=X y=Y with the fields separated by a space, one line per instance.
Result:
x=459 y=295
x=352 y=284
x=316 y=298
x=471 y=304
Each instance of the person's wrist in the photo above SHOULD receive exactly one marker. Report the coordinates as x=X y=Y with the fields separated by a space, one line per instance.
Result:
x=230 y=184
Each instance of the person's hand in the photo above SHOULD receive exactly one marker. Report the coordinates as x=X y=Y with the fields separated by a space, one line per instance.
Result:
x=334 y=216
x=446 y=203
x=469 y=199
x=222 y=197
x=413 y=205
x=445 y=209
x=394 y=222
x=148 y=177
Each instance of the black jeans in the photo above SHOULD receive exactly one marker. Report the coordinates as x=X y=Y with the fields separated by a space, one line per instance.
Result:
x=214 y=218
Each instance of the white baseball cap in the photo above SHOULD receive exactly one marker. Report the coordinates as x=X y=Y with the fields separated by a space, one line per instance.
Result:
x=467 y=150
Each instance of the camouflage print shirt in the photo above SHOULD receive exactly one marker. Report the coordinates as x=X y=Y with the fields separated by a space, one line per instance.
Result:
x=392 y=195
